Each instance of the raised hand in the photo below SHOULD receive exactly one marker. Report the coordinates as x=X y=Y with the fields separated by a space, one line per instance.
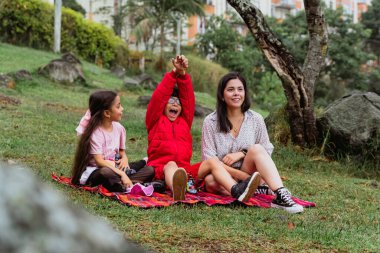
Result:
x=180 y=64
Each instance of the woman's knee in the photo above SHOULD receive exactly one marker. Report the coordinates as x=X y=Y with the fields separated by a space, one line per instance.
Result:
x=210 y=181
x=213 y=163
x=256 y=149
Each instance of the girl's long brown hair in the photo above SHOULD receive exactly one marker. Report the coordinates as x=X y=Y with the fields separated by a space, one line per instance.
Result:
x=99 y=102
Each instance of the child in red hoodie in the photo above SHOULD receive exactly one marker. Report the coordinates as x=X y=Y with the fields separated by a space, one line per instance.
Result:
x=168 y=121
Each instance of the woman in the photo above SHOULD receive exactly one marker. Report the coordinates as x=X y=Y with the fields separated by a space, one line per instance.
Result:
x=238 y=137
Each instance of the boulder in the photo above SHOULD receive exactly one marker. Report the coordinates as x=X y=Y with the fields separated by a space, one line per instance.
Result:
x=142 y=81
x=352 y=124
x=68 y=69
x=201 y=111
x=118 y=71
x=143 y=100
x=34 y=218
x=7 y=82
x=22 y=75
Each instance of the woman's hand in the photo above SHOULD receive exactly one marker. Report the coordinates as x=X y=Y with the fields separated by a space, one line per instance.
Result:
x=180 y=64
x=126 y=181
x=232 y=158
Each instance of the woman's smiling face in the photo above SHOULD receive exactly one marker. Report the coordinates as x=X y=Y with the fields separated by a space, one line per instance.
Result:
x=234 y=93
x=173 y=108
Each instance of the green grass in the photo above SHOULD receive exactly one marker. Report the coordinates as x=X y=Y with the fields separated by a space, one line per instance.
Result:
x=40 y=134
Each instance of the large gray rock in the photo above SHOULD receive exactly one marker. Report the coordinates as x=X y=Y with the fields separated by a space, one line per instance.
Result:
x=142 y=81
x=353 y=124
x=36 y=219
x=68 y=69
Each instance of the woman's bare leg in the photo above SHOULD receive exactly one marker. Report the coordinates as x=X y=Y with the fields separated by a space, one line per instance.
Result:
x=258 y=159
x=215 y=167
x=213 y=187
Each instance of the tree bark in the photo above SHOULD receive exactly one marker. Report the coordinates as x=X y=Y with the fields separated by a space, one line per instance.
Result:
x=298 y=84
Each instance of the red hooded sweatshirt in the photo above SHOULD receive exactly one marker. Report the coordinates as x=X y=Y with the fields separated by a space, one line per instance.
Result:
x=170 y=141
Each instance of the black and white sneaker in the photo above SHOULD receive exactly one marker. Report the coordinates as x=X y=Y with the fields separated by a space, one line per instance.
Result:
x=284 y=201
x=244 y=190
x=264 y=189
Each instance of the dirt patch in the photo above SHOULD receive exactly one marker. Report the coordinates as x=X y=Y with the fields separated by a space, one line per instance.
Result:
x=5 y=100
x=60 y=107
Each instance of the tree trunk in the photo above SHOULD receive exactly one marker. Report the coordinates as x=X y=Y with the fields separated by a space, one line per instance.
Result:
x=57 y=25
x=298 y=84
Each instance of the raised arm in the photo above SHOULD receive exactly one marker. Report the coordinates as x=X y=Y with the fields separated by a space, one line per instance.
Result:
x=186 y=95
x=159 y=99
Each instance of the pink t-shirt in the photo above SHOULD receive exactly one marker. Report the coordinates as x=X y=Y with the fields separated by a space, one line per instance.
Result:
x=107 y=143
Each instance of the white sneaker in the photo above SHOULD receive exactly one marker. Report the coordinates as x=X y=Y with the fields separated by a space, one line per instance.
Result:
x=284 y=201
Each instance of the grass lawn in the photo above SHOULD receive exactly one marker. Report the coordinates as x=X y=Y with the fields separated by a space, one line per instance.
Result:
x=40 y=133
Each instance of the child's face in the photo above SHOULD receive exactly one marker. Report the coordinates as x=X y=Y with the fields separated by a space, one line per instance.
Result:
x=116 y=110
x=173 y=108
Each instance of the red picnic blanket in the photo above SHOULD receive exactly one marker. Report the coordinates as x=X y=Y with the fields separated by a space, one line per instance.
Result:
x=165 y=199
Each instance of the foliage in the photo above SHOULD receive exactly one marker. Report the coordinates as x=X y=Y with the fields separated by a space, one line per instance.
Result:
x=346 y=52
x=270 y=94
x=205 y=74
x=346 y=49
x=72 y=4
x=371 y=20
x=27 y=23
x=41 y=129
x=223 y=44
x=151 y=18
x=30 y=23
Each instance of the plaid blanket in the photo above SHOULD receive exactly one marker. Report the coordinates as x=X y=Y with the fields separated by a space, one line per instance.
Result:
x=165 y=199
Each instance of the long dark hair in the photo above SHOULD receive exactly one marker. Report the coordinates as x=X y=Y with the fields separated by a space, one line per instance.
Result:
x=221 y=106
x=99 y=102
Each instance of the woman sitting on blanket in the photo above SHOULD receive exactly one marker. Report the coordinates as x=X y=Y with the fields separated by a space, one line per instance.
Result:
x=168 y=121
x=102 y=140
x=238 y=137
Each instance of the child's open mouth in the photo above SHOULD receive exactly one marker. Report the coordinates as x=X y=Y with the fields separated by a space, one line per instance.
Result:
x=173 y=112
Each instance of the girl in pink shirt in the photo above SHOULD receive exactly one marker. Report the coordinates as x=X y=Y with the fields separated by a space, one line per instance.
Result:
x=102 y=139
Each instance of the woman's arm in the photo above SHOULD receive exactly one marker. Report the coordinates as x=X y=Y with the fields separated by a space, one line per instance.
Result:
x=208 y=139
x=236 y=173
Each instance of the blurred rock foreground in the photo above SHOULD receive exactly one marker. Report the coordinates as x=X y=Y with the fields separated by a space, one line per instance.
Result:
x=36 y=219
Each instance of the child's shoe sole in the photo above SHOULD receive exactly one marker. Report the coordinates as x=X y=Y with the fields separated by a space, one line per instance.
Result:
x=179 y=184
x=251 y=187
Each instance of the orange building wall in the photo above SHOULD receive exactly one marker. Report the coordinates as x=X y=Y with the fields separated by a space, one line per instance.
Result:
x=193 y=23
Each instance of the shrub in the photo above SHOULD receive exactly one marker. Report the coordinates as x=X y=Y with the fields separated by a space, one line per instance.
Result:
x=27 y=23
x=205 y=74
x=30 y=23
